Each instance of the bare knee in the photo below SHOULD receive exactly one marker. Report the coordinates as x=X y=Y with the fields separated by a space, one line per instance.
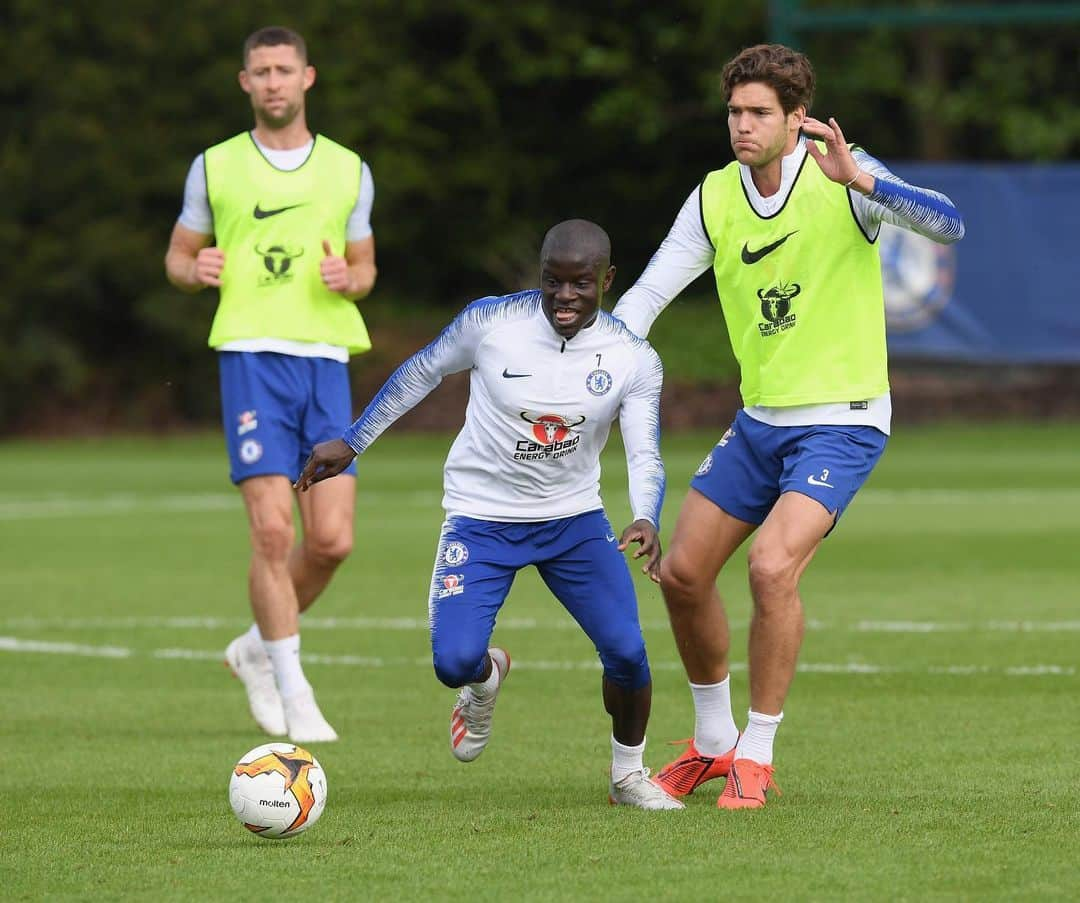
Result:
x=773 y=576
x=328 y=548
x=682 y=585
x=272 y=538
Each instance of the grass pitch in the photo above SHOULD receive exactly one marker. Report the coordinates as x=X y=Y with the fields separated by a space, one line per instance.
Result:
x=928 y=750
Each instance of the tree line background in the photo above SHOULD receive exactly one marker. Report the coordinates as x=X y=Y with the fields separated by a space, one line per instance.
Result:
x=483 y=123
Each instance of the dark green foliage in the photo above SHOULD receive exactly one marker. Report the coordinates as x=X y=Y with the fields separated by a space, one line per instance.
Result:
x=483 y=123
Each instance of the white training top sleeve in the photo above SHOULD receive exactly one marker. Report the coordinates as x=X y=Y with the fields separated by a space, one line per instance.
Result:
x=683 y=255
x=195 y=214
x=451 y=352
x=639 y=423
x=923 y=210
x=359 y=225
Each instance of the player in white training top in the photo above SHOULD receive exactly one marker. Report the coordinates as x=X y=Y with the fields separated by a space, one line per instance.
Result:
x=550 y=372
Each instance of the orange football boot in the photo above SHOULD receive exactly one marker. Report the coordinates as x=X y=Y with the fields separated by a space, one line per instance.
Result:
x=747 y=785
x=692 y=769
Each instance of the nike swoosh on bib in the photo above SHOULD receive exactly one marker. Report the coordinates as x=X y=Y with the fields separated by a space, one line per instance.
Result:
x=259 y=213
x=749 y=256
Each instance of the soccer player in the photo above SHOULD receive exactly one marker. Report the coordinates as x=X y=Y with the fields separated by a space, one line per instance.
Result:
x=277 y=219
x=789 y=230
x=550 y=371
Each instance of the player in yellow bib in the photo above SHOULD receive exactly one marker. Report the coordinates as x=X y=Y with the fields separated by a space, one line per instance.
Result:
x=278 y=220
x=789 y=230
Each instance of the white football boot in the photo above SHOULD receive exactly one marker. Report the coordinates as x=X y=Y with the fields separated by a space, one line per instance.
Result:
x=305 y=720
x=639 y=791
x=470 y=722
x=247 y=659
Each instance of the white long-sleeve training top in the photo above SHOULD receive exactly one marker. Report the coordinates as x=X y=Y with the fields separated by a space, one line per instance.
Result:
x=539 y=413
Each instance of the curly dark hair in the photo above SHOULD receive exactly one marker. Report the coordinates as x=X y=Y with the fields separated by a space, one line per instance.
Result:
x=786 y=71
x=275 y=36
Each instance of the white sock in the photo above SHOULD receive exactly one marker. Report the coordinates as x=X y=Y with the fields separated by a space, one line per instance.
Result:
x=285 y=657
x=714 y=728
x=757 y=740
x=484 y=688
x=253 y=636
x=625 y=759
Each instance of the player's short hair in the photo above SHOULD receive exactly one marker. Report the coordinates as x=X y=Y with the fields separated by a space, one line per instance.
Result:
x=577 y=236
x=786 y=71
x=275 y=36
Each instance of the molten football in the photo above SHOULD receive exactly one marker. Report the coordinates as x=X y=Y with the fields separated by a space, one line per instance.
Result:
x=277 y=790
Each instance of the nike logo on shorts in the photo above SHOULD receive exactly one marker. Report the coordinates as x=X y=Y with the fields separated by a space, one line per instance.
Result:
x=814 y=481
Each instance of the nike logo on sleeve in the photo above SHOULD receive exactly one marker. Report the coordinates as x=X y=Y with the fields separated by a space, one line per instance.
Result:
x=749 y=256
x=259 y=213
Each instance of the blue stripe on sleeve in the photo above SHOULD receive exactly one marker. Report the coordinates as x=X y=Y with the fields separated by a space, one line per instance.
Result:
x=928 y=212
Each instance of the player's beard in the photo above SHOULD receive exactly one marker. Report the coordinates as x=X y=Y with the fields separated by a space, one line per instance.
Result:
x=280 y=120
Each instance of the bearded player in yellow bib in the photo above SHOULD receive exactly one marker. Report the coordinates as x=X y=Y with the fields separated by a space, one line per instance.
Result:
x=789 y=230
x=278 y=220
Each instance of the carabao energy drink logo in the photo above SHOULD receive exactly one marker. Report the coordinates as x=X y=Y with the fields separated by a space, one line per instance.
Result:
x=294 y=767
x=554 y=436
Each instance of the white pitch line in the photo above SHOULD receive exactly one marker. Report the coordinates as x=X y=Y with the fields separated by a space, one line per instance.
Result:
x=307 y=623
x=206 y=622
x=989 y=496
x=13 y=644
x=121 y=503
x=963 y=627
x=59 y=505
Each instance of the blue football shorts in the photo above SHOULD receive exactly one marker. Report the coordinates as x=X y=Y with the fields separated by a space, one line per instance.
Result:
x=753 y=463
x=276 y=407
x=579 y=560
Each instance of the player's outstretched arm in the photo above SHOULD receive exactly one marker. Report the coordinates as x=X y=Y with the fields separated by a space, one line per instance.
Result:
x=327 y=459
x=684 y=254
x=644 y=534
x=887 y=197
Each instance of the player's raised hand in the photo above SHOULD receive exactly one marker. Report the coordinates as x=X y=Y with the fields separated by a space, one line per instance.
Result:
x=333 y=269
x=327 y=459
x=837 y=162
x=644 y=533
x=209 y=263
